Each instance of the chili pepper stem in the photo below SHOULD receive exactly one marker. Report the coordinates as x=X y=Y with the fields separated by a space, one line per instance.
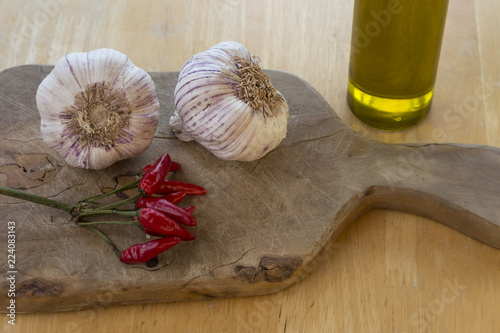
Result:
x=95 y=212
x=36 y=199
x=123 y=188
x=109 y=222
x=98 y=204
x=120 y=203
x=103 y=236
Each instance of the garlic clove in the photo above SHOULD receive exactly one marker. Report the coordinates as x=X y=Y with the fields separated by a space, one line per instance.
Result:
x=225 y=102
x=97 y=108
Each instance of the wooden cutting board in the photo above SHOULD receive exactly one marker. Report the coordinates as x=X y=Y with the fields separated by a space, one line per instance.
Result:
x=262 y=226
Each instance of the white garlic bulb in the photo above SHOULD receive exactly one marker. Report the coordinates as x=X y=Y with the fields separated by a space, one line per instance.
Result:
x=97 y=108
x=225 y=102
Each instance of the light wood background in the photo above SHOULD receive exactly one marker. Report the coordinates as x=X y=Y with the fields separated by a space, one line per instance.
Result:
x=388 y=271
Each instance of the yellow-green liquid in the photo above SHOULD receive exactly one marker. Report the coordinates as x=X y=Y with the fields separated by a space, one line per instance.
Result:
x=395 y=50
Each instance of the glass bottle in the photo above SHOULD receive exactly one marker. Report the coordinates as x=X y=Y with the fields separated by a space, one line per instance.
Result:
x=395 y=48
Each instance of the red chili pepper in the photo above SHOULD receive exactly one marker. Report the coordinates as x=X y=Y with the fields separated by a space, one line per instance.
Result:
x=152 y=233
x=168 y=186
x=167 y=208
x=175 y=197
x=189 y=209
x=160 y=223
x=143 y=252
x=153 y=177
x=174 y=166
x=149 y=232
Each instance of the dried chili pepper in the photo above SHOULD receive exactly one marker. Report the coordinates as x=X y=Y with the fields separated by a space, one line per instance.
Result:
x=169 y=186
x=175 y=197
x=189 y=209
x=174 y=166
x=139 y=253
x=167 y=208
x=161 y=224
x=154 y=175
x=152 y=233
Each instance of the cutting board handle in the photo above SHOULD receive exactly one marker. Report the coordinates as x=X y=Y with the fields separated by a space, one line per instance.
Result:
x=455 y=184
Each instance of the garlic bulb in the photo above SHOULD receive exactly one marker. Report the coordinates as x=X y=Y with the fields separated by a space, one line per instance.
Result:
x=97 y=108
x=225 y=102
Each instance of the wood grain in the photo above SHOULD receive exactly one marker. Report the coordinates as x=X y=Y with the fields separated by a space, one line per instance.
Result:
x=388 y=271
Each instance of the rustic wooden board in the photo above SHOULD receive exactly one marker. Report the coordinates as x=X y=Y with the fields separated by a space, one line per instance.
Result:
x=262 y=226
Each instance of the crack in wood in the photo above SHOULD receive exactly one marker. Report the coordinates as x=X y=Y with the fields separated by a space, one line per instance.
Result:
x=300 y=142
x=211 y=271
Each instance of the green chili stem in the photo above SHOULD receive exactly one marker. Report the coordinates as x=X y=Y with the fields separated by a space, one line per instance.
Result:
x=93 y=203
x=36 y=199
x=103 y=236
x=94 y=212
x=123 y=188
x=109 y=222
x=120 y=203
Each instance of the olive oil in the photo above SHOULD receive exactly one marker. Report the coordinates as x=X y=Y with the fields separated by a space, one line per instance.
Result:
x=395 y=48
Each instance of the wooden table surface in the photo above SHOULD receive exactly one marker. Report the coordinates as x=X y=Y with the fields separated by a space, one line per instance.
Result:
x=388 y=271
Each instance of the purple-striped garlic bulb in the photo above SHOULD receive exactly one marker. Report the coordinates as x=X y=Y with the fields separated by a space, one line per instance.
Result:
x=225 y=102
x=97 y=108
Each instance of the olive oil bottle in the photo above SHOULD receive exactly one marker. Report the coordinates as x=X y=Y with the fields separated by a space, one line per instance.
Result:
x=395 y=48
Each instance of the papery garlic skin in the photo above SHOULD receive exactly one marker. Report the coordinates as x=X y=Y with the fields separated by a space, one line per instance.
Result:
x=226 y=103
x=97 y=108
